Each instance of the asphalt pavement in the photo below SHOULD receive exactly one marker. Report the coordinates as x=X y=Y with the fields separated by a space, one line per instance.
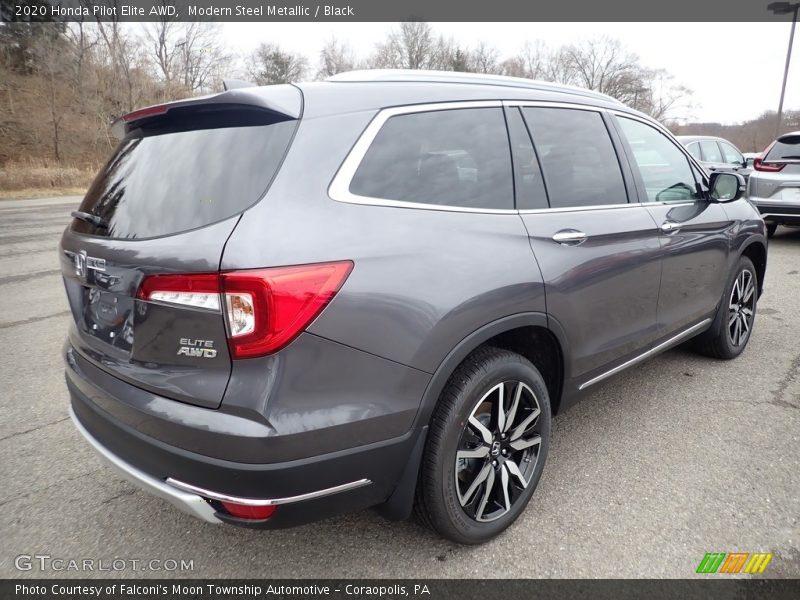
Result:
x=680 y=456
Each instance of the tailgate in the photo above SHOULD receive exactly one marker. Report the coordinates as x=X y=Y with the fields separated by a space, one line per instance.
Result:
x=165 y=204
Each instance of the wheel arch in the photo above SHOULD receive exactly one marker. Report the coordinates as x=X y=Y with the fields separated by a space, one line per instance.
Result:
x=756 y=251
x=524 y=333
x=512 y=333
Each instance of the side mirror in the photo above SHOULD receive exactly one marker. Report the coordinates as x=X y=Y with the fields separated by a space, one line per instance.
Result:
x=726 y=187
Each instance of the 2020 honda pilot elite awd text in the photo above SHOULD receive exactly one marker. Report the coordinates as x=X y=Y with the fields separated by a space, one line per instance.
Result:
x=295 y=301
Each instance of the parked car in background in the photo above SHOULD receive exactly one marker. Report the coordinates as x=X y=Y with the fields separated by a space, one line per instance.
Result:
x=716 y=154
x=334 y=297
x=750 y=157
x=774 y=185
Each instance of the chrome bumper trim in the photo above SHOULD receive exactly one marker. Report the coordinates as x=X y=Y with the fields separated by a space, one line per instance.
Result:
x=268 y=501
x=188 y=503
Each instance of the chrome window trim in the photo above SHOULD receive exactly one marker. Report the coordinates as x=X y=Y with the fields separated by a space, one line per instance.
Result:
x=546 y=104
x=339 y=188
x=566 y=209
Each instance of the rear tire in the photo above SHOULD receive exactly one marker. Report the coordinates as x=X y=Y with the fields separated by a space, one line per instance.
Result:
x=771 y=228
x=486 y=447
x=733 y=324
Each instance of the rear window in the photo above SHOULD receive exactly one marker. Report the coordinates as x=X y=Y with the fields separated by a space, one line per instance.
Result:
x=454 y=157
x=578 y=159
x=164 y=181
x=786 y=148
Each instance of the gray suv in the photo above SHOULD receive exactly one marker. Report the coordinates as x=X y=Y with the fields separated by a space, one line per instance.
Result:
x=299 y=300
x=774 y=186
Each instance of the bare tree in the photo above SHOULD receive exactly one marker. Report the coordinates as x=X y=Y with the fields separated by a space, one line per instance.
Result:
x=83 y=39
x=52 y=59
x=485 y=59
x=411 y=46
x=660 y=97
x=269 y=63
x=335 y=57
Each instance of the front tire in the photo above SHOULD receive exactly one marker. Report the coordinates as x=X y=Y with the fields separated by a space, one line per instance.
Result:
x=486 y=447
x=733 y=324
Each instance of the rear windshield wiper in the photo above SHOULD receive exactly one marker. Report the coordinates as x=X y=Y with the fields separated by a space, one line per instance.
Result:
x=90 y=218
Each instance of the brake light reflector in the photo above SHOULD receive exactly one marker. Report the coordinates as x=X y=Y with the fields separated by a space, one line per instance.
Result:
x=268 y=308
x=760 y=165
x=245 y=511
x=150 y=111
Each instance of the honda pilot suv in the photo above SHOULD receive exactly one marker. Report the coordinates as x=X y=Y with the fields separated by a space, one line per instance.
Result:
x=299 y=300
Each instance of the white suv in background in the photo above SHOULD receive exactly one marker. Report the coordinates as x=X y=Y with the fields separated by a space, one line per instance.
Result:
x=774 y=185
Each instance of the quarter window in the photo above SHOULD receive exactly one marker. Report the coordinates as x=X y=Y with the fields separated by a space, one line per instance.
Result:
x=694 y=150
x=457 y=157
x=578 y=159
x=664 y=169
x=732 y=155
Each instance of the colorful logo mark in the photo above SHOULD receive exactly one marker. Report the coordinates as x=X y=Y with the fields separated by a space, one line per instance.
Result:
x=734 y=562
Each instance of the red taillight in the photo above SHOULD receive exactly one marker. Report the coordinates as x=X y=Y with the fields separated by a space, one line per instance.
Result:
x=760 y=165
x=150 y=111
x=265 y=308
x=245 y=511
x=200 y=290
x=268 y=308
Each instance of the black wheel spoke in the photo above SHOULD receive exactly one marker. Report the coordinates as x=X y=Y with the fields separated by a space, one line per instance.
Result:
x=498 y=450
x=741 y=308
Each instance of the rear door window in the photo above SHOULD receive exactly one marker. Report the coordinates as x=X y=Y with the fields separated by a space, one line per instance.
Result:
x=577 y=156
x=665 y=171
x=456 y=157
x=731 y=154
x=711 y=151
x=165 y=181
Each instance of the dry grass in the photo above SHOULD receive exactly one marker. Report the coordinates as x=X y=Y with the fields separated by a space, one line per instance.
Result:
x=28 y=179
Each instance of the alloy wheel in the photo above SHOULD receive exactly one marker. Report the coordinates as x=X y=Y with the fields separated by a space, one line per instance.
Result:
x=498 y=451
x=741 y=308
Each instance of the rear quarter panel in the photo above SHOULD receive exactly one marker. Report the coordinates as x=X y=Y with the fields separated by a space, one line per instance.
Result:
x=423 y=279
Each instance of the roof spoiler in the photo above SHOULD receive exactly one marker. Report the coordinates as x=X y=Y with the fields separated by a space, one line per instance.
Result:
x=285 y=100
x=235 y=84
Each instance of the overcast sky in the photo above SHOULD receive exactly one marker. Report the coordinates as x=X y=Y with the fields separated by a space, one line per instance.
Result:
x=734 y=69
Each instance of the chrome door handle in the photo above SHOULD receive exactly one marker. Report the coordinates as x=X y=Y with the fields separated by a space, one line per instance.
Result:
x=670 y=227
x=570 y=237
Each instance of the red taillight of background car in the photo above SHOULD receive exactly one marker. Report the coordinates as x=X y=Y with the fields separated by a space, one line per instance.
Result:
x=760 y=165
x=265 y=308
x=766 y=167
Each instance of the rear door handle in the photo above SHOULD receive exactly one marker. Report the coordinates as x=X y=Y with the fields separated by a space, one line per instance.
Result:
x=669 y=227
x=570 y=237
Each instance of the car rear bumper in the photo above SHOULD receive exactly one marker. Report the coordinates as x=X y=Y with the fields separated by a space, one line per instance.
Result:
x=303 y=490
x=778 y=212
x=192 y=504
